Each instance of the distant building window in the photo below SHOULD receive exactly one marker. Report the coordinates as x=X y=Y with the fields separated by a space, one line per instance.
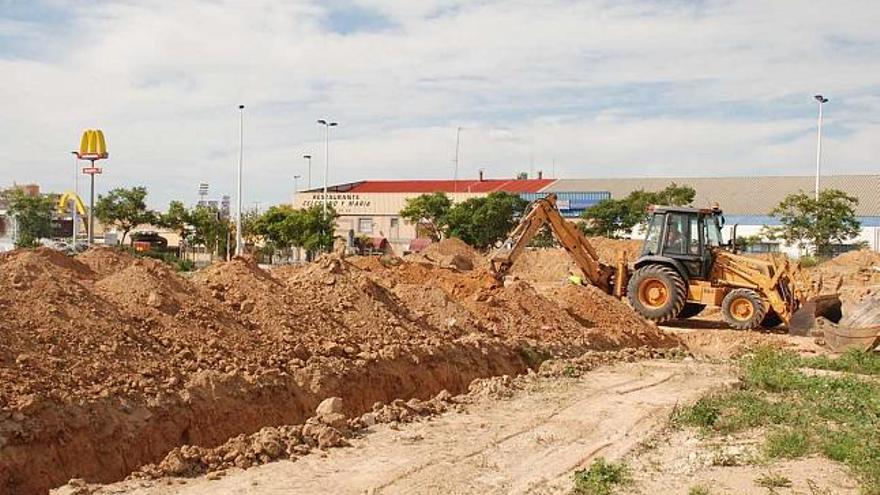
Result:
x=365 y=225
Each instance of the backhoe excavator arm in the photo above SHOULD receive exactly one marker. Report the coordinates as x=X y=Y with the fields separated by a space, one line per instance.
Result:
x=544 y=212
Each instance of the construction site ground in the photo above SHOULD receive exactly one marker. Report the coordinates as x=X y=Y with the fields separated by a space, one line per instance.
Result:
x=118 y=375
x=529 y=437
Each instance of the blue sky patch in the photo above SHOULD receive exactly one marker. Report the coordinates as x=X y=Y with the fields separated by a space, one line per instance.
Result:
x=346 y=18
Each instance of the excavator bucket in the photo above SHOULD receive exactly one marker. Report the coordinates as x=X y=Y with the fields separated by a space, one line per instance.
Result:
x=839 y=339
x=803 y=320
x=860 y=327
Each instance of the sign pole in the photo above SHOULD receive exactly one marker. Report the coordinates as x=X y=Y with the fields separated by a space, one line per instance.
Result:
x=92 y=147
x=92 y=206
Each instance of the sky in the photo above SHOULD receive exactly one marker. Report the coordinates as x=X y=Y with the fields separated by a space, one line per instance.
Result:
x=577 y=89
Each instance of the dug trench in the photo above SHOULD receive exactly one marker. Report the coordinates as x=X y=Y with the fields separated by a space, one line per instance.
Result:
x=105 y=441
x=108 y=362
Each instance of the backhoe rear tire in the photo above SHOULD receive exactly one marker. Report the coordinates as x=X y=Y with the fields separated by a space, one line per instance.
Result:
x=743 y=309
x=657 y=292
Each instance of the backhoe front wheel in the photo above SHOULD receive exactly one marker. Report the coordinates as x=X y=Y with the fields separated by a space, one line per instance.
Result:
x=657 y=292
x=743 y=309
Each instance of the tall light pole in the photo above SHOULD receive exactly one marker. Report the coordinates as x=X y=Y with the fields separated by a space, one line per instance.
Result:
x=327 y=125
x=457 y=147
x=822 y=100
x=296 y=178
x=239 y=248
x=75 y=217
x=309 y=159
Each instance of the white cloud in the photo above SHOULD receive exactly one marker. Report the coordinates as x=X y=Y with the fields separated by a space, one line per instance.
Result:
x=605 y=88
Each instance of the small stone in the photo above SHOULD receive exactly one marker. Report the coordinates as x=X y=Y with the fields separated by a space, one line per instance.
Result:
x=336 y=420
x=330 y=437
x=369 y=419
x=330 y=405
x=153 y=299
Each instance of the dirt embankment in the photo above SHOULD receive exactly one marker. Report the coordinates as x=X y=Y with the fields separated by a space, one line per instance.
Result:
x=108 y=362
x=549 y=267
x=855 y=275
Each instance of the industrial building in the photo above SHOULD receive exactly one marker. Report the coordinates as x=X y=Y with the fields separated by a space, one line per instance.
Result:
x=371 y=208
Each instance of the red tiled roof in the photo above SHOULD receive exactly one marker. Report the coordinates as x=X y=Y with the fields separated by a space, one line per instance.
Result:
x=428 y=186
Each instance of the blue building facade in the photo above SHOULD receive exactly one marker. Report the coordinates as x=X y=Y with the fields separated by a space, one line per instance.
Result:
x=571 y=204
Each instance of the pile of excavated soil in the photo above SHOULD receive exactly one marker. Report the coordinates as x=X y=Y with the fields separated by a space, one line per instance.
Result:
x=449 y=253
x=572 y=316
x=854 y=275
x=609 y=249
x=551 y=266
x=855 y=268
x=108 y=362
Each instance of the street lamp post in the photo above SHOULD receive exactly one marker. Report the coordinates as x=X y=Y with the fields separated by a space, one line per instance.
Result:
x=327 y=125
x=457 y=148
x=239 y=249
x=296 y=178
x=309 y=160
x=75 y=216
x=822 y=100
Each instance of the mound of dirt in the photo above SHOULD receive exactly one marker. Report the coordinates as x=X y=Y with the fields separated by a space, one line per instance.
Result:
x=450 y=253
x=545 y=267
x=854 y=275
x=105 y=260
x=105 y=348
x=609 y=249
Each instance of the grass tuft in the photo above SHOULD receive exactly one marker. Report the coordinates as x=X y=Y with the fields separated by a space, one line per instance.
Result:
x=773 y=481
x=601 y=478
x=787 y=444
x=699 y=490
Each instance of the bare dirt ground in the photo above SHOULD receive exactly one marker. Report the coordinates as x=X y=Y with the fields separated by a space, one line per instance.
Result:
x=530 y=442
x=531 y=439
x=674 y=462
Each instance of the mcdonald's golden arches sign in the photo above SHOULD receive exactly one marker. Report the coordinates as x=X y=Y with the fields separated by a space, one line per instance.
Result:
x=92 y=146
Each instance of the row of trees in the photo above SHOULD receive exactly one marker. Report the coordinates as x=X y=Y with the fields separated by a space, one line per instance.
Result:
x=281 y=227
x=480 y=221
x=616 y=218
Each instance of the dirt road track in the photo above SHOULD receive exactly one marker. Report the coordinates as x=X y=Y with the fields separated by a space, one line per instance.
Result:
x=528 y=443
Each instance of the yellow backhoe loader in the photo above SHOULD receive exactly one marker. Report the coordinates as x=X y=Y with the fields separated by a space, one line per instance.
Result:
x=684 y=267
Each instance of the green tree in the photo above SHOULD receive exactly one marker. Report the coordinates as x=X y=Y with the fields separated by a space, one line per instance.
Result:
x=315 y=229
x=609 y=218
x=282 y=227
x=821 y=223
x=178 y=219
x=428 y=211
x=33 y=217
x=278 y=225
x=483 y=221
x=124 y=208
x=617 y=217
x=209 y=228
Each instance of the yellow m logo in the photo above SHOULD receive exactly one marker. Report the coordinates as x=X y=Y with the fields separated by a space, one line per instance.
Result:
x=92 y=146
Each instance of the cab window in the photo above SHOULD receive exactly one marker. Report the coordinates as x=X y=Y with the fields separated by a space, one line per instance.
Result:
x=694 y=237
x=676 y=234
x=713 y=233
x=652 y=237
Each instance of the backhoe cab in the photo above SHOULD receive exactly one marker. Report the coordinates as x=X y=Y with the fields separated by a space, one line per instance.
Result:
x=678 y=250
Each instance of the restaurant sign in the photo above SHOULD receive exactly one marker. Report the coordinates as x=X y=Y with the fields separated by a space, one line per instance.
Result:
x=341 y=202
